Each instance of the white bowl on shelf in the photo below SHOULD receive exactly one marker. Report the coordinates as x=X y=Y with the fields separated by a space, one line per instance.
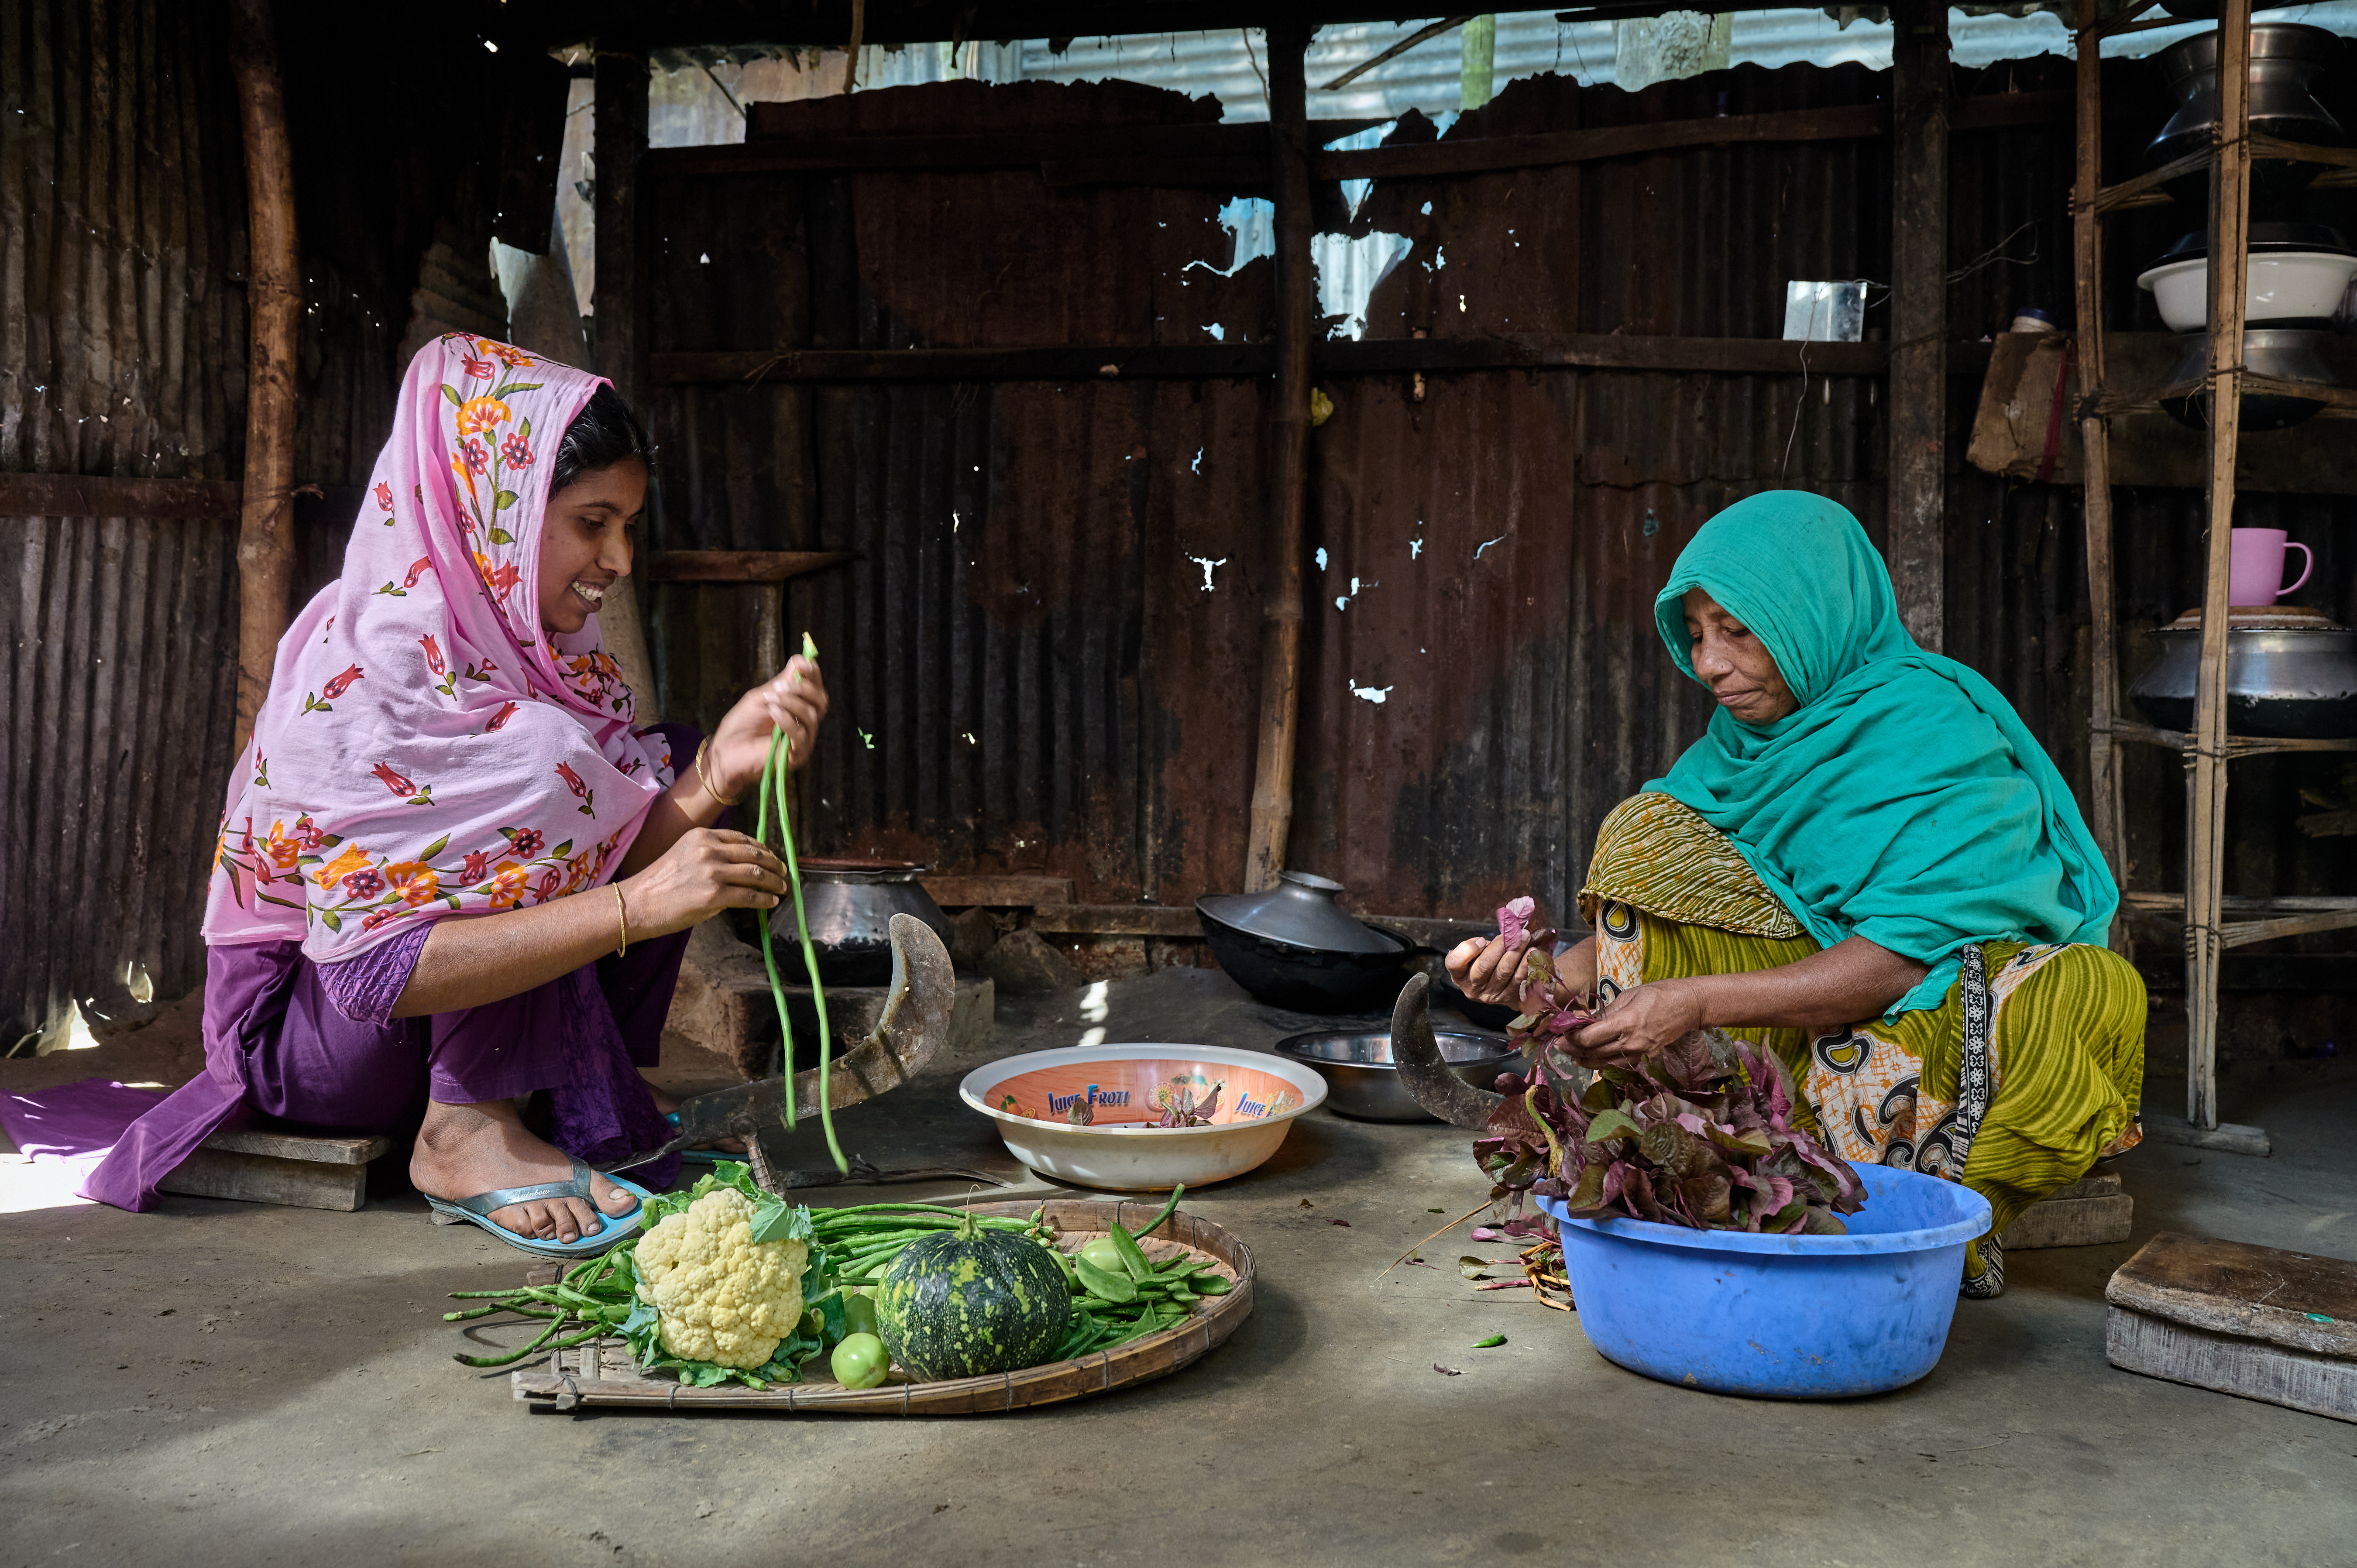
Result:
x=1030 y=1097
x=2283 y=286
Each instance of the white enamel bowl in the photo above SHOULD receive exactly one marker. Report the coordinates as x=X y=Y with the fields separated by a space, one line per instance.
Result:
x=1032 y=1098
x=2283 y=286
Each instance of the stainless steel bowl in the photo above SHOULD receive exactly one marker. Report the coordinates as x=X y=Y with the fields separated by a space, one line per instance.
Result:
x=2286 y=679
x=1360 y=1080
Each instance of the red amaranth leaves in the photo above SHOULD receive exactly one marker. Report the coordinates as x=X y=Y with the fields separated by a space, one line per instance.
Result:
x=1699 y=1134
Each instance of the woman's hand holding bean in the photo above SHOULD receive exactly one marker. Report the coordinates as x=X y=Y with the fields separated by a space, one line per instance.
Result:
x=795 y=702
x=706 y=871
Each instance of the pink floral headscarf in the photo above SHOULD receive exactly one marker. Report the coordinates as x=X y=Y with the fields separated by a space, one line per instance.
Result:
x=426 y=749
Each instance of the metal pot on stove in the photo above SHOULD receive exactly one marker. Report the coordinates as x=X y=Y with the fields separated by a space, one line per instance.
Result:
x=1294 y=947
x=850 y=905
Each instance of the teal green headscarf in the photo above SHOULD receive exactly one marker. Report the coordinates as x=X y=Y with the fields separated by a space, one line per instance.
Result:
x=1904 y=801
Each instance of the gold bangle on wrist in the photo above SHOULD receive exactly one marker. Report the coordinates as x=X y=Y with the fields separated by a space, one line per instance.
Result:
x=623 y=909
x=703 y=779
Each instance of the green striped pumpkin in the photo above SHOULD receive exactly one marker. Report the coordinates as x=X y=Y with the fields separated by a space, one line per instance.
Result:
x=969 y=1301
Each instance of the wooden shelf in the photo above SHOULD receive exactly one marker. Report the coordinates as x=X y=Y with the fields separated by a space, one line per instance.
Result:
x=741 y=565
x=2279 y=917
x=2236 y=744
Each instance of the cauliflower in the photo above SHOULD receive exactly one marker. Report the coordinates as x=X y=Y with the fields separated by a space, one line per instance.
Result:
x=718 y=1294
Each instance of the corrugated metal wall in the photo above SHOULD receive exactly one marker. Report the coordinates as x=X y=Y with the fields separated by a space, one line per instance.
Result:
x=122 y=352
x=1031 y=672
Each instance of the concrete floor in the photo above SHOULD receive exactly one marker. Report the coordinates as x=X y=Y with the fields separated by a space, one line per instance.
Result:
x=216 y=1382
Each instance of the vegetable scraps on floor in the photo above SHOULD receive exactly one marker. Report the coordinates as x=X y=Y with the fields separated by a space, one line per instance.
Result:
x=728 y=1283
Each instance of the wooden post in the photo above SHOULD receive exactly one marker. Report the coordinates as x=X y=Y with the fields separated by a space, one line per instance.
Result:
x=2094 y=436
x=1917 y=541
x=619 y=322
x=1289 y=457
x=2205 y=861
x=274 y=307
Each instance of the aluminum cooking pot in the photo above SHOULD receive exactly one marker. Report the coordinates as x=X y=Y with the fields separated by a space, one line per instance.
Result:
x=850 y=904
x=2289 y=673
x=2286 y=58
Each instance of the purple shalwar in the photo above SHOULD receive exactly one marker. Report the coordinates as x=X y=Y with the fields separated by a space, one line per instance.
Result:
x=317 y=1044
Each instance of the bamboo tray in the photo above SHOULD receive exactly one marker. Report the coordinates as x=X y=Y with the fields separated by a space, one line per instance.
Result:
x=601 y=1373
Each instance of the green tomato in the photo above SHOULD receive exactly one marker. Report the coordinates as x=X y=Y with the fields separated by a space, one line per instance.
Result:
x=860 y=1361
x=858 y=1314
x=1106 y=1253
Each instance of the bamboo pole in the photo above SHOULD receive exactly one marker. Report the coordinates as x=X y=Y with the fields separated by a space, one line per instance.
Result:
x=2095 y=436
x=1289 y=453
x=1916 y=542
x=617 y=142
x=273 y=310
x=2230 y=212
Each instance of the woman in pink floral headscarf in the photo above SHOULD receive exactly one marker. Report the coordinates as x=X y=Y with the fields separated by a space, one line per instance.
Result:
x=452 y=873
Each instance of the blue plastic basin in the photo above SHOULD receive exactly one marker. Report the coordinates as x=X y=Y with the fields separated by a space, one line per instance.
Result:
x=1780 y=1316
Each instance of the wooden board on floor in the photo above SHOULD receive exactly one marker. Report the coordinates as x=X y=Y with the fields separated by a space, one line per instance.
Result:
x=294 y=1170
x=2090 y=1212
x=2256 y=1322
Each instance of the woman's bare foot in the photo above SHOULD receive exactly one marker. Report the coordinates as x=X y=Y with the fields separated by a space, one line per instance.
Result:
x=466 y=1149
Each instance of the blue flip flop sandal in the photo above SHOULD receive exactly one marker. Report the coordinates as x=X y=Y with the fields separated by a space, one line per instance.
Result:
x=478 y=1210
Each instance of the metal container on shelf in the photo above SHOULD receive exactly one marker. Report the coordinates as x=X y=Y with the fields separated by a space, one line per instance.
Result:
x=2286 y=356
x=2286 y=58
x=850 y=905
x=2291 y=673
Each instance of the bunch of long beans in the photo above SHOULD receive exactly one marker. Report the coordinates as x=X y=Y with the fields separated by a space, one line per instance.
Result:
x=588 y=1295
x=777 y=770
x=860 y=1242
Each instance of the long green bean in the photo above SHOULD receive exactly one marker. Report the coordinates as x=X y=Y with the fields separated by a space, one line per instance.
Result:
x=770 y=958
x=776 y=772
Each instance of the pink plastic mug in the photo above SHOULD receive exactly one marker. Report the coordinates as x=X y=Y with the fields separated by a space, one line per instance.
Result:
x=2254 y=574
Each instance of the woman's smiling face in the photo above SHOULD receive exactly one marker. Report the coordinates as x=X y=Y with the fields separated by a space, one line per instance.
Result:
x=584 y=541
x=1734 y=663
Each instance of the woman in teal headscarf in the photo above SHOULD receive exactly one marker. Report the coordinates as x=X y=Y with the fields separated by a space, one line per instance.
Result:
x=1868 y=863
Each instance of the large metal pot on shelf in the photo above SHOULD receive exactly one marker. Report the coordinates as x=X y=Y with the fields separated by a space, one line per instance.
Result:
x=850 y=905
x=2290 y=674
x=1294 y=947
x=2286 y=60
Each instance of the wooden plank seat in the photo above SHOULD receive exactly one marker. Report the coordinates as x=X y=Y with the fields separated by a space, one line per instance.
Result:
x=282 y=1166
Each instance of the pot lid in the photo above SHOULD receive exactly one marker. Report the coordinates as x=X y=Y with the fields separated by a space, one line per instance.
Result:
x=1299 y=909
x=2266 y=239
x=2261 y=617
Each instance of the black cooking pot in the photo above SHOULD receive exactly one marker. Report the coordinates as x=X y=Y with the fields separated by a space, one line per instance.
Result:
x=1303 y=979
